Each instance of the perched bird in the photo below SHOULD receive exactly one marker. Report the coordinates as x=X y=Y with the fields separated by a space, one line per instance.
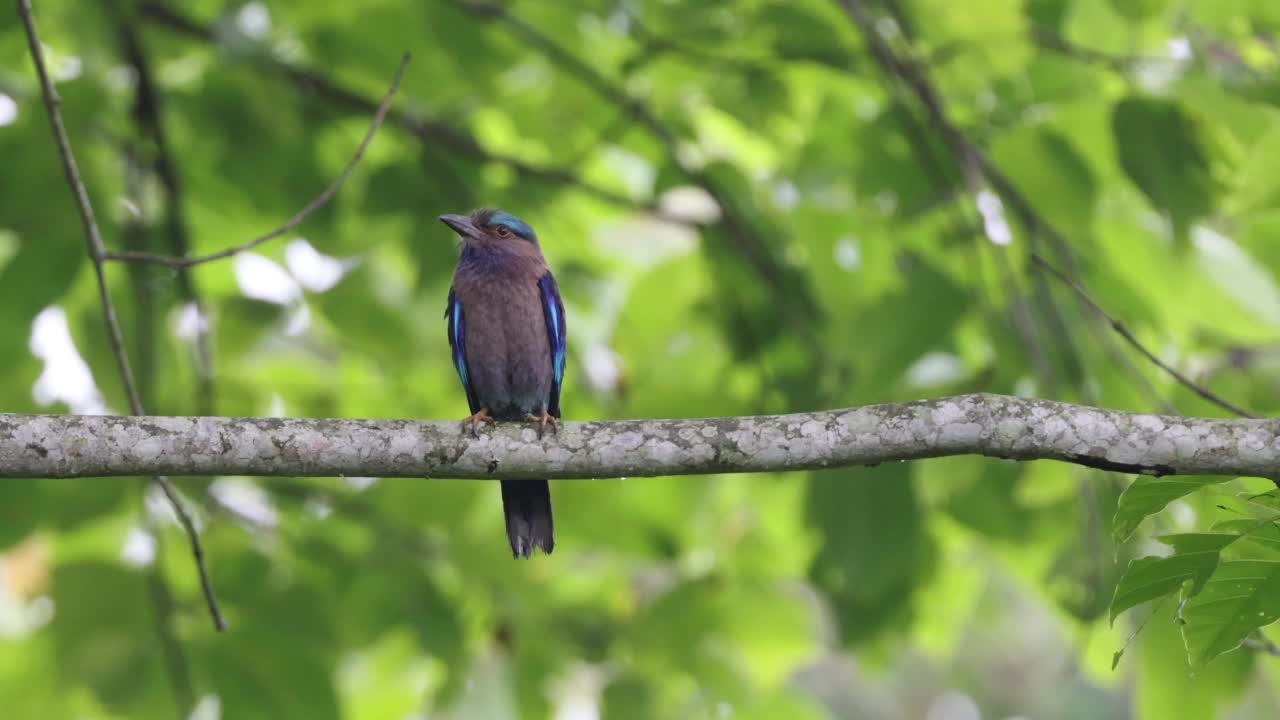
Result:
x=507 y=330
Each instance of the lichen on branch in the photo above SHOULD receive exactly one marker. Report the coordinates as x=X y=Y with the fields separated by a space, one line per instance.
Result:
x=996 y=426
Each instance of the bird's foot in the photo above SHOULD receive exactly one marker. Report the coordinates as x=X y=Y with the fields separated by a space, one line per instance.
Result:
x=543 y=420
x=475 y=421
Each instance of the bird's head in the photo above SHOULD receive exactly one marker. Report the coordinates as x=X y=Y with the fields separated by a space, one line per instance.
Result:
x=490 y=227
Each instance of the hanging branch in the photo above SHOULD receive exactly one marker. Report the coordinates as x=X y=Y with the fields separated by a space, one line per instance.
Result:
x=93 y=239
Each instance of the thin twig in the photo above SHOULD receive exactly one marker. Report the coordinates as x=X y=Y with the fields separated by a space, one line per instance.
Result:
x=315 y=204
x=1262 y=644
x=93 y=238
x=1124 y=332
x=206 y=585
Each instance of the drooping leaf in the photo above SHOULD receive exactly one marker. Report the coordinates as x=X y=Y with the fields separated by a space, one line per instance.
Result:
x=874 y=549
x=1148 y=495
x=1167 y=686
x=1161 y=147
x=1240 y=597
x=1195 y=558
x=1265 y=533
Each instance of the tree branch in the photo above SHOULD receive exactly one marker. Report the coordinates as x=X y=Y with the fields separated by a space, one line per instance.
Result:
x=997 y=426
x=1123 y=331
x=93 y=238
x=182 y=261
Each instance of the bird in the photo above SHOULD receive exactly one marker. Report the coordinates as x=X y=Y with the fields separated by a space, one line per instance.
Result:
x=506 y=326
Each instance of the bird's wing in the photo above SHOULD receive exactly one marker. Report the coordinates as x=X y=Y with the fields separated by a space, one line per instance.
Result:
x=458 y=342
x=553 y=311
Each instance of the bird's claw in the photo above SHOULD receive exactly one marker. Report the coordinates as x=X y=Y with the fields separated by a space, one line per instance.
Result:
x=476 y=420
x=543 y=420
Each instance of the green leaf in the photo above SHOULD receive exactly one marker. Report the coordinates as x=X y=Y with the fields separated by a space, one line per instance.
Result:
x=276 y=666
x=1149 y=495
x=1257 y=187
x=1166 y=685
x=628 y=698
x=873 y=547
x=1265 y=533
x=104 y=634
x=23 y=504
x=984 y=494
x=1138 y=10
x=1161 y=149
x=1239 y=276
x=1269 y=499
x=1240 y=597
x=1196 y=557
x=817 y=32
x=1050 y=173
x=936 y=304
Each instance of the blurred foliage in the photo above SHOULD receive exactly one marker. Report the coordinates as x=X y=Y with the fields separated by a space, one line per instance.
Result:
x=832 y=253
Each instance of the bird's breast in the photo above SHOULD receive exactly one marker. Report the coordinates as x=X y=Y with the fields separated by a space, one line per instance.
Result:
x=508 y=352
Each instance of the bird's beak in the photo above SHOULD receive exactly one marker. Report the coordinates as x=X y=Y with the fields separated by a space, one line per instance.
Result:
x=461 y=224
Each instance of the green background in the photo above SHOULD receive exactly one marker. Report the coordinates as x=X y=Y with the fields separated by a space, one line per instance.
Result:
x=745 y=215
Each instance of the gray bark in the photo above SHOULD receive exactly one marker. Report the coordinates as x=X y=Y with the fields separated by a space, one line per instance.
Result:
x=993 y=425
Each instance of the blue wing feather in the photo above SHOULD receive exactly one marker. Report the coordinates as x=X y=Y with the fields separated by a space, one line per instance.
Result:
x=553 y=311
x=458 y=342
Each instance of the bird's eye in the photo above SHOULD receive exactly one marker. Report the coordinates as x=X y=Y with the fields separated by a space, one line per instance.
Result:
x=503 y=231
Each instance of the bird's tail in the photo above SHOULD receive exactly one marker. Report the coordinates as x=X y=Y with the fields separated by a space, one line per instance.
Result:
x=527 y=505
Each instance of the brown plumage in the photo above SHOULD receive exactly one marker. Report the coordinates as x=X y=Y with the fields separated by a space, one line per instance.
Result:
x=506 y=328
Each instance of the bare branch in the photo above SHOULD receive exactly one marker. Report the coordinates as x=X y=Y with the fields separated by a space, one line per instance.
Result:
x=315 y=204
x=96 y=253
x=998 y=426
x=1124 y=332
